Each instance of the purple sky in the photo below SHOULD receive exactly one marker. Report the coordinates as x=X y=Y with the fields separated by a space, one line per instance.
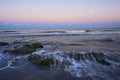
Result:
x=59 y=11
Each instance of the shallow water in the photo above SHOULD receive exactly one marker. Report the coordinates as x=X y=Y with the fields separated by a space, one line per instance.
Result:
x=76 y=56
x=57 y=32
x=67 y=65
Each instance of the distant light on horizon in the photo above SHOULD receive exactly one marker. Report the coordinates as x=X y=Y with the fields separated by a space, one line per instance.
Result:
x=59 y=11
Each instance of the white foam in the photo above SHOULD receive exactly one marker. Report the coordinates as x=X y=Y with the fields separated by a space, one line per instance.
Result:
x=77 y=68
x=39 y=52
x=9 y=64
x=3 y=68
x=76 y=31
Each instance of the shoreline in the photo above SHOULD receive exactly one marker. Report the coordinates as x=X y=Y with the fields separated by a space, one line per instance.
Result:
x=78 y=56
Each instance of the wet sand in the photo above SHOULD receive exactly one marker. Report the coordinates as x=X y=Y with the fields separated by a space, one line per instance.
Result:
x=87 y=42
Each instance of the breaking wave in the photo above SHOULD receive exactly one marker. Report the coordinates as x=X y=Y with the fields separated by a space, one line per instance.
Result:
x=54 y=32
x=11 y=61
x=83 y=64
x=97 y=65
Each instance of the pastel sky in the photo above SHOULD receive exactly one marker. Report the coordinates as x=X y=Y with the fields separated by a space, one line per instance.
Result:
x=59 y=11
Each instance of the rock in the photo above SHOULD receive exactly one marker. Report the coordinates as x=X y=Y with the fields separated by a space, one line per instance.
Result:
x=47 y=61
x=100 y=58
x=26 y=49
x=37 y=59
x=108 y=40
x=3 y=43
x=77 y=56
x=87 y=55
x=88 y=30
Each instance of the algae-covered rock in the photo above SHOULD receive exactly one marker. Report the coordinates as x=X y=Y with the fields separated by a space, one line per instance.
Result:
x=77 y=56
x=3 y=43
x=37 y=59
x=100 y=58
x=26 y=49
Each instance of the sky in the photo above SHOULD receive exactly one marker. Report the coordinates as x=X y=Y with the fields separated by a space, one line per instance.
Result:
x=60 y=11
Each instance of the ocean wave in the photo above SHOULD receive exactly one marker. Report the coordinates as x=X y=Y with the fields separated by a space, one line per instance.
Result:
x=102 y=65
x=55 y=32
x=83 y=64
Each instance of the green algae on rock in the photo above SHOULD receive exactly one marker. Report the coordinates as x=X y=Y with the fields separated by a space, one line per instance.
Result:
x=37 y=59
x=100 y=58
x=26 y=49
x=68 y=60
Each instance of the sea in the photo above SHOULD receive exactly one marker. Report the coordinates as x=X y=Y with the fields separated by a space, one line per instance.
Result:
x=77 y=54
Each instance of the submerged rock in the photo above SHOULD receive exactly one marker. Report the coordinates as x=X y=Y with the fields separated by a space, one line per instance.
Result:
x=3 y=43
x=26 y=49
